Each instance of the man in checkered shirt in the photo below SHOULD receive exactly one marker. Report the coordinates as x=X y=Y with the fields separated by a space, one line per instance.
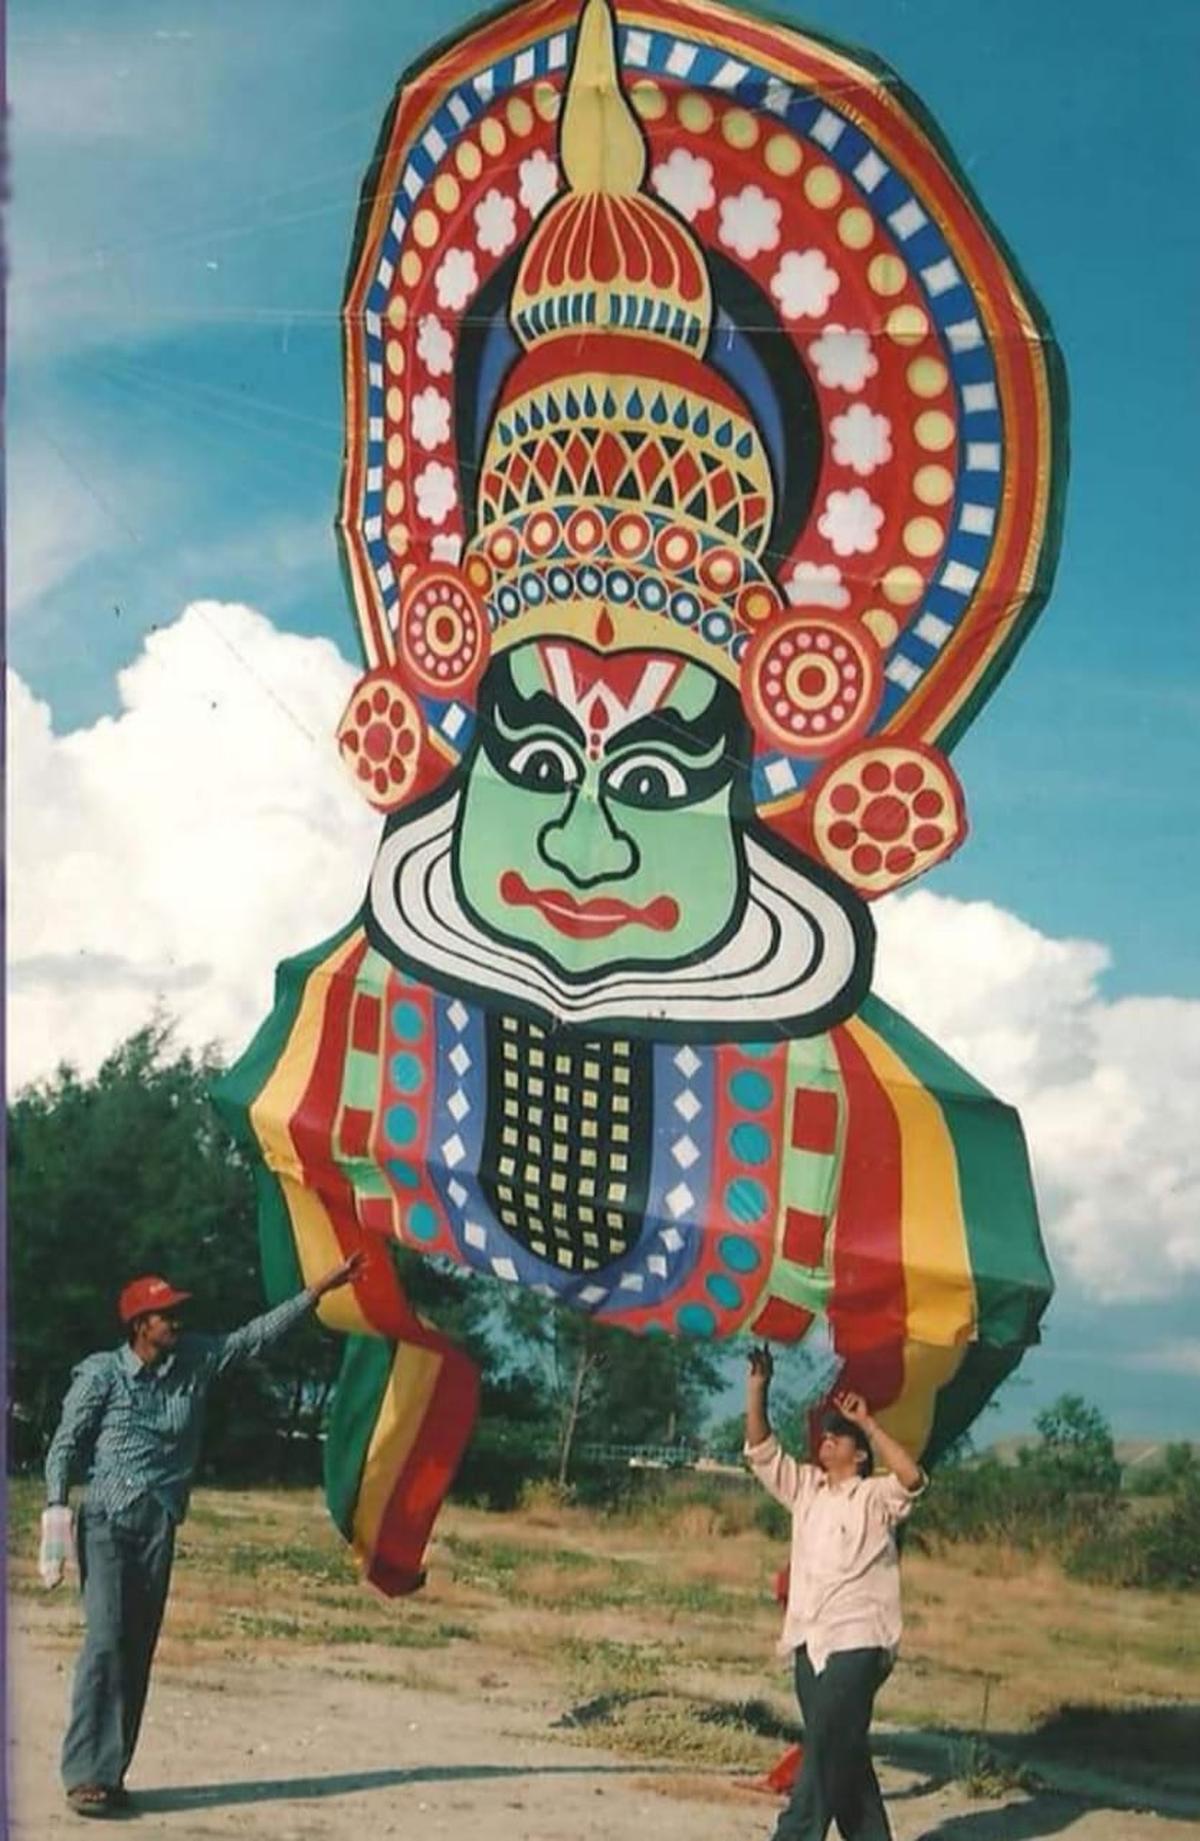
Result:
x=132 y=1423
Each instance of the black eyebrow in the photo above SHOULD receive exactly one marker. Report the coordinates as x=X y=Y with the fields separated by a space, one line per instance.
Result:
x=697 y=739
x=523 y=712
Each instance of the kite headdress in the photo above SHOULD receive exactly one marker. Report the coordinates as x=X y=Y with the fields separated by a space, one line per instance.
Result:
x=685 y=336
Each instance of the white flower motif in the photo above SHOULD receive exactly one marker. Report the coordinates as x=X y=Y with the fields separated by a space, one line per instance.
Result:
x=750 y=222
x=445 y=549
x=495 y=222
x=850 y=522
x=817 y=585
x=804 y=284
x=456 y=280
x=435 y=347
x=862 y=439
x=430 y=418
x=844 y=360
x=685 y=181
x=539 y=182
x=437 y=494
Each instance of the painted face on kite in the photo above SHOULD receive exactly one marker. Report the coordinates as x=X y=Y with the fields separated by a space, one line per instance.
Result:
x=598 y=826
x=700 y=481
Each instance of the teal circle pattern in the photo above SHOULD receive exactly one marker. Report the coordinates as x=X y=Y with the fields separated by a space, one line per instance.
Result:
x=723 y=1290
x=738 y=1254
x=408 y=1075
x=695 y=1320
x=422 y=1222
x=751 y=1090
x=401 y=1124
x=407 y=1021
x=406 y=1174
x=750 y=1143
x=746 y=1200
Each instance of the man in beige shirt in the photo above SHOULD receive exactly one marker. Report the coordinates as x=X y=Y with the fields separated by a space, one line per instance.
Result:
x=843 y=1610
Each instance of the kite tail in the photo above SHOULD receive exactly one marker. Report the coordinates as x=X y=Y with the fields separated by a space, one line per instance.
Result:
x=406 y=1399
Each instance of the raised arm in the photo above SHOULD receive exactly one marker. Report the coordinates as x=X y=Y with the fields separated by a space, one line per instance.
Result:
x=780 y=1475
x=242 y=1345
x=888 y=1450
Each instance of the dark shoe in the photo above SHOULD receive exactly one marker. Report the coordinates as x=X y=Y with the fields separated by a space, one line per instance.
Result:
x=93 y=1799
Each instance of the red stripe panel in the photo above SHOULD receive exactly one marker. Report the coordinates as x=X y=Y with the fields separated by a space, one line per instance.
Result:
x=867 y=1305
x=368 y=1016
x=395 y=1567
x=355 y=1134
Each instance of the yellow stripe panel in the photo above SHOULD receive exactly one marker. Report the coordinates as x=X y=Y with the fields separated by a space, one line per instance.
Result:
x=401 y=1414
x=271 y=1113
x=940 y=1303
x=317 y=1245
x=926 y=1370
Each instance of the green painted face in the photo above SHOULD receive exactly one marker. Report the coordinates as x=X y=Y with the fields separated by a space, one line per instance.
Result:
x=598 y=824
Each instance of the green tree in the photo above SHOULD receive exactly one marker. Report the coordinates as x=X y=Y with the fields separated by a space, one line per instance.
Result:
x=1075 y=1448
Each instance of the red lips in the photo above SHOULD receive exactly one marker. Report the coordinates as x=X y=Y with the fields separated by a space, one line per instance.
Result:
x=587 y=920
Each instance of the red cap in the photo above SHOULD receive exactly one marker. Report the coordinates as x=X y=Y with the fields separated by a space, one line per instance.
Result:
x=146 y=1294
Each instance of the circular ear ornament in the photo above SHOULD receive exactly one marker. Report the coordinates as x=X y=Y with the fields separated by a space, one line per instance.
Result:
x=380 y=739
x=811 y=683
x=885 y=813
x=444 y=636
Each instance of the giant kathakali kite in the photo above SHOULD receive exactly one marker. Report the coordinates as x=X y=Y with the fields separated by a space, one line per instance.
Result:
x=703 y=459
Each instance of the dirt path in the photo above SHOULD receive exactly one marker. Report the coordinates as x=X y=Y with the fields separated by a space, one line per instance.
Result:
x=334 y=1749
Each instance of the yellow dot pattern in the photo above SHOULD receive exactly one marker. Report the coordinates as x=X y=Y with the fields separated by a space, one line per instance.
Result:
x=395 y=404
x=783 y=155
x=927 y=377
x=886 y=274
x=395 y=497
x=410 y=268
x=933 y=430
x=546 y=101
x=468 y=159
x=649 y=101
x=695 y=113
x=923 y=537
x=822 y=187
x=446 y=192
x=934 y=485
x=881 y=625
x=395 y=356
x=395 y=450
x=520 y=115
x=739 y=128
x=425 y=228
x=902 y=585
x=492 y=137
x=906 y=324
x=397 y=312
x=855 y=227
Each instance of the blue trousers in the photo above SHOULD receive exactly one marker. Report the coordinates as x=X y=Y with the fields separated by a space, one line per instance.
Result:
x=837 y=1781
x=125 y=1569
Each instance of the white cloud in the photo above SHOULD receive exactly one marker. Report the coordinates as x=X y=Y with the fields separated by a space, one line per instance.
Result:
x=843 y=358
x=495 y=222
x=685 y=181
x=850 y=522
x=539 y=182
x=804 y=284
x=430 y=418
x=456 y=279
x=182 y=847
x=750 y=222
x=1106 y=1088
x=862 y=439
x=817 y=585
x=1180 y=1355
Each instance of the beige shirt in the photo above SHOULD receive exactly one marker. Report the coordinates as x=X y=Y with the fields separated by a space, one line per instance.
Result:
x=844 y=1585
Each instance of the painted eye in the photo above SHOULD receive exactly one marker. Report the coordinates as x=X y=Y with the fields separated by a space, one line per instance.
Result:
x=544 y=766
x=647 y=780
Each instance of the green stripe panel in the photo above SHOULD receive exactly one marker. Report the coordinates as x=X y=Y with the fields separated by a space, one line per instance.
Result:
x=362 y=1384
x=1008 y=1259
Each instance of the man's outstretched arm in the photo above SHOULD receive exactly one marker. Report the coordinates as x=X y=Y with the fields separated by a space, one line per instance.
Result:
x=888 y=1450
x=260 y=1333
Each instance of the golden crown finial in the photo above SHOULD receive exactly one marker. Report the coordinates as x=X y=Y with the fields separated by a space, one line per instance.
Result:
x=600 y=143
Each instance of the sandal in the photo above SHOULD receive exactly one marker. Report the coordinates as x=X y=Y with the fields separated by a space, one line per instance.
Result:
x=91 y=1799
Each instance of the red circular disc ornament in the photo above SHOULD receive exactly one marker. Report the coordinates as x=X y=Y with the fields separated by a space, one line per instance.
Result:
x=811 y=683
x=444 y=633
x=884 y=813
x=380 y=739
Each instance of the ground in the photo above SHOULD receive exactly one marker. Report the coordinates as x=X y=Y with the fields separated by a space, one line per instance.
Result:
x=534 y=1693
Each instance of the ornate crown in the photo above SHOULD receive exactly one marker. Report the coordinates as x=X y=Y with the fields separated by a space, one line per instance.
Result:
x=630 y=476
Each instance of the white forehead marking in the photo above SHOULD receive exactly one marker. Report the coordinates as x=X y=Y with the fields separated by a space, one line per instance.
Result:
x=646 y=695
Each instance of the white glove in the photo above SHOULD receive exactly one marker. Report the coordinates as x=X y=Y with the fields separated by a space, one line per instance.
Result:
x=57 y=1547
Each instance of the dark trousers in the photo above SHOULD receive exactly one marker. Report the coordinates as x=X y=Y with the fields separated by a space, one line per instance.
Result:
x=837 y=1781
x=125 y=1568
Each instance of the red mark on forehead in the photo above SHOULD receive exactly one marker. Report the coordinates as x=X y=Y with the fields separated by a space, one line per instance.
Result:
x=622 y=684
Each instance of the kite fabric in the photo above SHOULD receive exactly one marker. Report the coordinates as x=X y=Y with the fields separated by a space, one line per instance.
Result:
x=703 y=473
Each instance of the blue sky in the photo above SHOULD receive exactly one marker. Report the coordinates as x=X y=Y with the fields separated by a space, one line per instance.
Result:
x=184 y=185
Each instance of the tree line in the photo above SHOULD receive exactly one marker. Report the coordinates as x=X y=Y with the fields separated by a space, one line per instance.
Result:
x=132 y=1171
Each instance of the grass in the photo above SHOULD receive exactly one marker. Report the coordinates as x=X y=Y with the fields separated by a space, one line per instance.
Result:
x=655 y=1631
